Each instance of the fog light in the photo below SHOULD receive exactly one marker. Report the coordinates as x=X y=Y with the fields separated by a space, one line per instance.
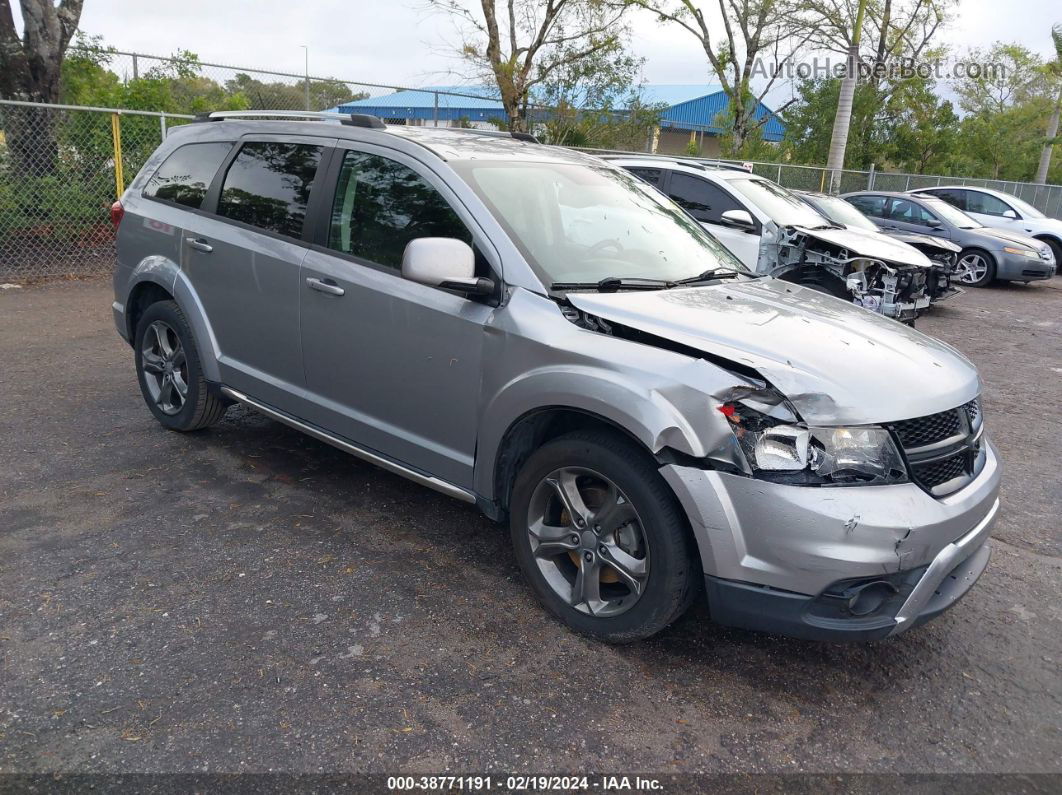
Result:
x=868 y=598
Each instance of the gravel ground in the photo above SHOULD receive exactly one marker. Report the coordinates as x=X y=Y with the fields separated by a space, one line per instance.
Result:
x=248 y=599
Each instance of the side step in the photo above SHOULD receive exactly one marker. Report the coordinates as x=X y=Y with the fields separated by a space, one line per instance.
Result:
x=384 y=463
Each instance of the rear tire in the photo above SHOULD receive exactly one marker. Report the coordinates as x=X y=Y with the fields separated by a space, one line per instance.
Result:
x=625 y=566
x=169 y=371
x=975 y=267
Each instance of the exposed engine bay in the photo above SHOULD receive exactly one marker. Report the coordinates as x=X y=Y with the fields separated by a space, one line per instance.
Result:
x=848 y=265
x=943 y=254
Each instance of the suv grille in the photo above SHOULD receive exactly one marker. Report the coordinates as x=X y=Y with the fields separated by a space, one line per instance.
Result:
x=943 y=450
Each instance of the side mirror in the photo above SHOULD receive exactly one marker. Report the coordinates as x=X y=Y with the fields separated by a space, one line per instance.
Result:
x=444 y=262
x=1010 y=214
x=739 y=219
x=934 y=224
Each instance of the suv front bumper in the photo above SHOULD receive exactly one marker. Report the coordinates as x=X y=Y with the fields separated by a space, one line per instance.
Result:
x=791 y=559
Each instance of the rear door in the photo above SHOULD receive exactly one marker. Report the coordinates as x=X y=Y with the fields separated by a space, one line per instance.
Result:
x=707 y=202
x=391 y=364
x=244 y=260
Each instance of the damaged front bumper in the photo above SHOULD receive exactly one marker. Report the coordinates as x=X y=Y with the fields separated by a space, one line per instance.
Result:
x=835 y=563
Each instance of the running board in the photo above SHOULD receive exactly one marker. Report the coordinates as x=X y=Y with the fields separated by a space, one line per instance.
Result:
x=384 y=463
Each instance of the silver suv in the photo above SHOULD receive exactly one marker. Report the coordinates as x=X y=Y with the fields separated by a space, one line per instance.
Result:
x=540 y=333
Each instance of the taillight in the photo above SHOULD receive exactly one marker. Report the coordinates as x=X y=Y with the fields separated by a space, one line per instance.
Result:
x=117 y=211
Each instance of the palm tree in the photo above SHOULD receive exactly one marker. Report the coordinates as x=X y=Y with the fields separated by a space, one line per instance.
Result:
x=1054 y=69
x=843 y=118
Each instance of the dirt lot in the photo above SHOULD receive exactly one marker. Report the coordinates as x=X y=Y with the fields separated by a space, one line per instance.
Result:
x=249 y=599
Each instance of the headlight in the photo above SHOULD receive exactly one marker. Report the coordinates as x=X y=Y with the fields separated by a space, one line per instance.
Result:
x=790 y=453
x=1024 y=252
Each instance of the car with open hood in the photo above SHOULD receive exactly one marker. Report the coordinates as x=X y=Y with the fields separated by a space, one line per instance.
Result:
x=942 y=254
x=775 y=233
x=538 y=333
x=1001 y=210
x=986 y=254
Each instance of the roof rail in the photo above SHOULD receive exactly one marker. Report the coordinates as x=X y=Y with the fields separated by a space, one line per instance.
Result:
x=519 y=136
x=351 y=119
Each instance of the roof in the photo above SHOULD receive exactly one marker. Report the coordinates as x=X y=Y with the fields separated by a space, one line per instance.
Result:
x=688 y=106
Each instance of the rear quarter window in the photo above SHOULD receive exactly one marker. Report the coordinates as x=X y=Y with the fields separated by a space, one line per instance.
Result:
x=185 y=176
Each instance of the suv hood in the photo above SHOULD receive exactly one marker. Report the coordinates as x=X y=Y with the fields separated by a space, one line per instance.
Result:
x=837 y=363
x=869 y=244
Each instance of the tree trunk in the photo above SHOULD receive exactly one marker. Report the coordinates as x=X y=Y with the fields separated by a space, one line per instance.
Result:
x=842 y=120
x=30 y=67
x=1052 y=133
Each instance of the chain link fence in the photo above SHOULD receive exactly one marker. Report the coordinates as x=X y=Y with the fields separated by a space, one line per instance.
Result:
x=61 y=168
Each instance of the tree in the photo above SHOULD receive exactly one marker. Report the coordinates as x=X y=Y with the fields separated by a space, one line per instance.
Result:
x=752 y=29
x=923 y=130
x=522 y=45
x=1007 y=102
x=30 y=67
x=843 y=116
x=1054 y=72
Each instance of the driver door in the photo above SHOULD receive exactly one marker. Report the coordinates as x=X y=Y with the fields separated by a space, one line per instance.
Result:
x=391 y=364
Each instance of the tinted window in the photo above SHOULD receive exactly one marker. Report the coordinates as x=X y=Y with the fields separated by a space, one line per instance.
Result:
x=956 y=198
x=910 y=213
x=185 y=176
x=873 y=206
x=650 y=175
x=381 y=205
x=268 y=186
x=977 y=202
x=703 y=200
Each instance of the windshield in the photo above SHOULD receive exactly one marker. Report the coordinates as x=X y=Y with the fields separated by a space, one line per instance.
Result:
x=584 y=223
x=841 y=212
x=952 y=215
x=1023 y=207
x=780 y=205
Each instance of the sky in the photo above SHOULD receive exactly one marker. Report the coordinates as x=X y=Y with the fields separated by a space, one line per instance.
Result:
x=399 y=42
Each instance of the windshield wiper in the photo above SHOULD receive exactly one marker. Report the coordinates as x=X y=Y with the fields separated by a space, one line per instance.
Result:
x=714 y=273
x=611 y=284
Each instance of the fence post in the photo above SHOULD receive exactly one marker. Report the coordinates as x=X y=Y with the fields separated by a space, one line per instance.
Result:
x=870 y=178
x=136 y=69
x=435 y=109
x=779 y=180
x=162 y=124
x=908 y=183
x=116 y=139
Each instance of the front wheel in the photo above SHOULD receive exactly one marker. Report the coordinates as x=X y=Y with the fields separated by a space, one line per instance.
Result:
x=975 y=268
x=601 y=539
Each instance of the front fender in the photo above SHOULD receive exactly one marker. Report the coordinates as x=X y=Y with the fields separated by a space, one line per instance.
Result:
x=647 y=414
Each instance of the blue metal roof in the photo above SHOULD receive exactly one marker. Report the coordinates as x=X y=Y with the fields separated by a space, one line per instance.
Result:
x=688 y=106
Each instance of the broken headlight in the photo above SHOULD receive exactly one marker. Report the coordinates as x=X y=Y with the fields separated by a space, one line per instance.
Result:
x=778 y=449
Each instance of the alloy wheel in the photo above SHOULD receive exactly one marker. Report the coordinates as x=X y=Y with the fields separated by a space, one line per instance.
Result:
x=588 y=541
x=165 y=366
x=972 y=269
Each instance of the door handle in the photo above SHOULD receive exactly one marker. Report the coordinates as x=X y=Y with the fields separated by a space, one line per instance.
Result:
x=324 y=286
x=199 y=245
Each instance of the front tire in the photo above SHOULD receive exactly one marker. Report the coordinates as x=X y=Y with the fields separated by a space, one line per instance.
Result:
x=1056 y=249
x=975 y=267
x=169 y=371
x=601 y=538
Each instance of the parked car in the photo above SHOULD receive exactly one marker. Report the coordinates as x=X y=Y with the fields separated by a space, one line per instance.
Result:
x=1001 y=210
x=986 y=254
x=774 y=232
x=943 y=254
x=536 y=332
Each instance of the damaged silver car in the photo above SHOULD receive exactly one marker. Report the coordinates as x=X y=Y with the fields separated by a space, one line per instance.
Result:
x=540 y=334
x=775 y=232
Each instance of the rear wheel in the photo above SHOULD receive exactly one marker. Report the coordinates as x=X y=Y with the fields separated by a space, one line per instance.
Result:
x=601 y=538
x=168 y=369
x=975 y=268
